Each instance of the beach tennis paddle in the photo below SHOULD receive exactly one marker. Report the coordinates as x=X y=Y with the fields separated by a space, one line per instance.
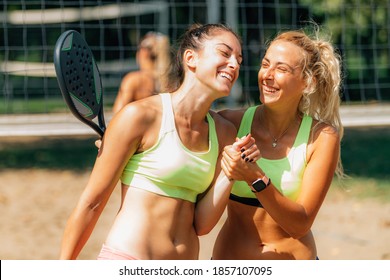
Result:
x=79 y=79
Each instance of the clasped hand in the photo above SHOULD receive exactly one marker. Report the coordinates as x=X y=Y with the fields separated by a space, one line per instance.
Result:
x=239 y=159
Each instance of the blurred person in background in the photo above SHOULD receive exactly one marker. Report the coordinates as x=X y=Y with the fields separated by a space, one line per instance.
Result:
x=153 y=59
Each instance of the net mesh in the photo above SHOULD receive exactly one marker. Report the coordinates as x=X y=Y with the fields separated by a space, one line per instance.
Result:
x=360 y=30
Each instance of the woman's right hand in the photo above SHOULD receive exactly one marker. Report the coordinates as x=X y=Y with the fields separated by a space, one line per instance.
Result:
x=239 y=160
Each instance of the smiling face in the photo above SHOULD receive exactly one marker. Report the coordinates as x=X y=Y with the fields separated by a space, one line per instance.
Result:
x=280 y=76
x=218 y=62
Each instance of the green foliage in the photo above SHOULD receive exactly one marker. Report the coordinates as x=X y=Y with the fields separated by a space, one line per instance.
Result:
x=33 y=106
x=360 y=30
x=48 y=153
x=365 y=152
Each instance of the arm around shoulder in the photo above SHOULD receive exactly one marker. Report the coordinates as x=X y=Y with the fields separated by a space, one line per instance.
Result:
x=233 y=116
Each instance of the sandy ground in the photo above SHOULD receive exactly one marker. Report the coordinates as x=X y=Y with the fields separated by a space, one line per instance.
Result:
x=34 y=206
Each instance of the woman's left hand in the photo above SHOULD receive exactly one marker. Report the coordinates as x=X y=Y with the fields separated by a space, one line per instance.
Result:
x=248 y=148
x=239 y=159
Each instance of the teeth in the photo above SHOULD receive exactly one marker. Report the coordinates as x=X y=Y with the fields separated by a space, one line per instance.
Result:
x=268 y=89
x=226 y=75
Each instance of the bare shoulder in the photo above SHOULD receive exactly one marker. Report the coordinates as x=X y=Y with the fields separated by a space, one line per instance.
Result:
x=136 y=78
x=325 y=140
x=226 y=130
x=233 y=115
x=147 y=108
x=219 y=119
x=322 y=131
x=129 y=77
x=139 y=114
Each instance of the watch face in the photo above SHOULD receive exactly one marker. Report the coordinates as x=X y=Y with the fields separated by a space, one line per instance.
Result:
x=259 y=185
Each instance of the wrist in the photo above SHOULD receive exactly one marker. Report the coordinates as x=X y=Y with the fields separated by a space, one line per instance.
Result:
x=260 y=184
x=253 y=176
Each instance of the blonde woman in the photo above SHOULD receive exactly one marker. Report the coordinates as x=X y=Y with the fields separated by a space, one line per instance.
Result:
x=298 y=132
x=153 y=59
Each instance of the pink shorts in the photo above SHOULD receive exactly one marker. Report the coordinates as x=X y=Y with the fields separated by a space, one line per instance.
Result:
x=108 y=253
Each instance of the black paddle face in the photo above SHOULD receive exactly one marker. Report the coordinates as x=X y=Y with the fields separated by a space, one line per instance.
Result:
x=79 y=79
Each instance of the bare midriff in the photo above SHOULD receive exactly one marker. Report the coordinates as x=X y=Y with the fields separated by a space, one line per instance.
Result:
x=153 y=227
x=250 y=233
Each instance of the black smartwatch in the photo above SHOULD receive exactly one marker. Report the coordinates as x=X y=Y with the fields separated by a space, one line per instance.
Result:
x=260 y=184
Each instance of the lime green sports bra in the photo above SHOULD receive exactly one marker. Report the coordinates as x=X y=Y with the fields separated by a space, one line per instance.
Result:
x=169 y=168
x=286 y=173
